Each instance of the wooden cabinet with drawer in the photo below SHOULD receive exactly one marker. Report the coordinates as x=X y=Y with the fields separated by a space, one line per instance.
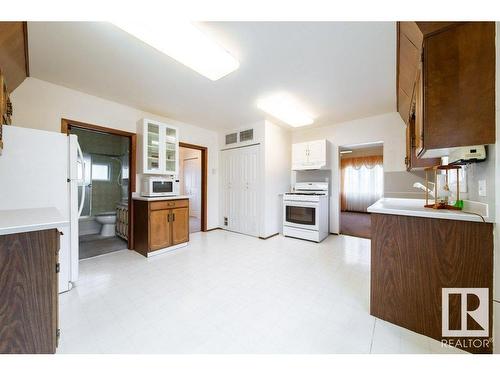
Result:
x=161 y=224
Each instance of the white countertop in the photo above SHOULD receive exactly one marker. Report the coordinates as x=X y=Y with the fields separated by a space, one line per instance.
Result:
x=415 y=207
x=29 y=220
x=139 y=197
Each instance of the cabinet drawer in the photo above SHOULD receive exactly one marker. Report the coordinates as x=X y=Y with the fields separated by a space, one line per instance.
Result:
x=162 y=205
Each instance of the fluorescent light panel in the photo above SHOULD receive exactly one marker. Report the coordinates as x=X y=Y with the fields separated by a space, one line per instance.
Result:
x=285 y=108
x=185 y=43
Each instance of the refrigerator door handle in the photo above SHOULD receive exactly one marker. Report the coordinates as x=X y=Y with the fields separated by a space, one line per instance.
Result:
x=80 y=154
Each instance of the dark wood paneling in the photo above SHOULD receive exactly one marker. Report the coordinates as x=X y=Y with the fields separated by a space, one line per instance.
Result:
x=14 y=61
x=459 y=86
x=413 y=258
x=28 y=292
x=141 y=226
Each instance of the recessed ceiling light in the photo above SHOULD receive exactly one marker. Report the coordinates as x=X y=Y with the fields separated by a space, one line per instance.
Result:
x=286 y=108
x=185 y=43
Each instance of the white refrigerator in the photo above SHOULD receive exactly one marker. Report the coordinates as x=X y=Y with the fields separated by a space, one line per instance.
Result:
x=40 y=169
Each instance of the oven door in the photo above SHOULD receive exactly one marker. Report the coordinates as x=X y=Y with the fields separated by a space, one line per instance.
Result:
x=301 y=215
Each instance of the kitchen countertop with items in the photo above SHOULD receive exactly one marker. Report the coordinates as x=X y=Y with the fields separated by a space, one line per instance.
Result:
x=472 y=211
x=139 y=197
x=29 y=220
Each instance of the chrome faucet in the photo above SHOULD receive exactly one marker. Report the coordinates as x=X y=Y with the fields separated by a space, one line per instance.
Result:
x=418 y=185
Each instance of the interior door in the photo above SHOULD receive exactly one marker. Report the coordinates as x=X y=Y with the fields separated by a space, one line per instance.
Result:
x=192 y=185
x=180 y=225
x=160 y=229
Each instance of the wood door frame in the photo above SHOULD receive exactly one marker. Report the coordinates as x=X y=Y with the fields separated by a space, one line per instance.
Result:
x=66 y=126
x=204 y=178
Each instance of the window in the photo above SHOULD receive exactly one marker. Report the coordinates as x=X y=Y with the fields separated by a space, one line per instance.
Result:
x=101 y=172
x=362 y=182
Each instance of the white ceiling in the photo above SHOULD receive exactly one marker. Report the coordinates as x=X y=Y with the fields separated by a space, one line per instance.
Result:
x=339 y=70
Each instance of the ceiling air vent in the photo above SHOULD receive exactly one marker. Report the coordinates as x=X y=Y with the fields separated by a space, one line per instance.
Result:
x=231 y=138
x=246 y=135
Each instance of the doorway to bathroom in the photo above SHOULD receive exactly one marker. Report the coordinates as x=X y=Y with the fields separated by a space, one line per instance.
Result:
x=107 y=175
x=192 y=183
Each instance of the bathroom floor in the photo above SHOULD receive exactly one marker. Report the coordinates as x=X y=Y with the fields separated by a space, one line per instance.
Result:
x=92 y=245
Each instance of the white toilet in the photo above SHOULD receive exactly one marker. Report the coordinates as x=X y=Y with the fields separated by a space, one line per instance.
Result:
x=108 y=221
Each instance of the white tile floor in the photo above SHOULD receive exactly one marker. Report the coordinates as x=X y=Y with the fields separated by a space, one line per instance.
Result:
x=230 y=293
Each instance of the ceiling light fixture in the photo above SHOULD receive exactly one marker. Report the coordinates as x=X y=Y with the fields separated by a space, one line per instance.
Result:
x=185 y=43
x=286 y=108
x=346 y=152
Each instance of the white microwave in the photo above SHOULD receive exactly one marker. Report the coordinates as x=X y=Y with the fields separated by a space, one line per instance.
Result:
x=154 y=186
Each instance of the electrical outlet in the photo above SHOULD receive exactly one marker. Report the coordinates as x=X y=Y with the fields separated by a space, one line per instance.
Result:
x=482 y=188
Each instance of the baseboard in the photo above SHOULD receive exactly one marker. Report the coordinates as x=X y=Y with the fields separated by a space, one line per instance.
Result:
x=266 y=238
x=211 y=229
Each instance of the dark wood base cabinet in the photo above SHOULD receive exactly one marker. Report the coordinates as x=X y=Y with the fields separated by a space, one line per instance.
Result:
x=413 y=258
x=28 y=292
x=160 y=224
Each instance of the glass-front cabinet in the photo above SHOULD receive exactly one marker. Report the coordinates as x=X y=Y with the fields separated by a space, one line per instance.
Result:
x=160 y=148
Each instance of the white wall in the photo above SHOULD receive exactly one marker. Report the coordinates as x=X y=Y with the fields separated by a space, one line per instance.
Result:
x=388 y=128
x=277 y=164
x=41 y=105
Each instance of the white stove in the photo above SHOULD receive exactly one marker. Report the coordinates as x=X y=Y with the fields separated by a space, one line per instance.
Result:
x=305 y=211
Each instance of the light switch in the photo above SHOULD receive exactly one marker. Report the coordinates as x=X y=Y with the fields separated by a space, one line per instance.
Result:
x=482 y=188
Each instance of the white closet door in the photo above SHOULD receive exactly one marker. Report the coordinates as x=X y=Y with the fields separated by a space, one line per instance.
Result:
x=249 y=199
x=240 y=189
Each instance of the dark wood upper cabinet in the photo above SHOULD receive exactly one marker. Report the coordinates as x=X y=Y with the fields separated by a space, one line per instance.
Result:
x=14 y=61
x=447 y=72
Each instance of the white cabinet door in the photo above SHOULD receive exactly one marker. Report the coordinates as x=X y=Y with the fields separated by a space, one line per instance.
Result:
x=317 y=151
x=299 y=153
x=160 y=148
x=151 y=152
x=170 y=156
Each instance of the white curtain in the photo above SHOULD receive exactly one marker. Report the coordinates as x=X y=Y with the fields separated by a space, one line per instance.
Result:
x=363 y=183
